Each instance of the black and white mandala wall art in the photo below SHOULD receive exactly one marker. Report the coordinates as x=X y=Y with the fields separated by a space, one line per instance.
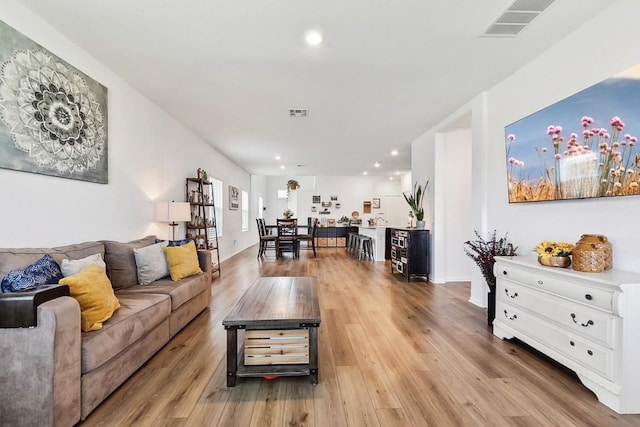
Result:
x=53 y=118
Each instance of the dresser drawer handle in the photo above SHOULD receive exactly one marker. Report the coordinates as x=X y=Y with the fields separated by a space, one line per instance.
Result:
x=590 y=353
x=572 y=343
x=504 y=272
x=589 y=322
x=540 y=282
x=588 y=297
x=514 y=317
x=506 y=291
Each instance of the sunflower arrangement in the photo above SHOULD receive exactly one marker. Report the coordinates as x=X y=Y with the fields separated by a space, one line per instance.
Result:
x=549 y=248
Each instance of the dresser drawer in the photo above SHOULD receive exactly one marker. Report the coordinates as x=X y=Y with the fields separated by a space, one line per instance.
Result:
x=592 y=324
x=575 y=349
x=590 y=296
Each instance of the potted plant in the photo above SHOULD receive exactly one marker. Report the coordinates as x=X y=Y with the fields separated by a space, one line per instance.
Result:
x=415 y=200
x=292 y=184
x=287 y=214
x=344 y=220
x=483 y=253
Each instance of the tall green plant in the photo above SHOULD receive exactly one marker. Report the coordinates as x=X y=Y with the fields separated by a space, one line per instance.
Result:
x=416 y=198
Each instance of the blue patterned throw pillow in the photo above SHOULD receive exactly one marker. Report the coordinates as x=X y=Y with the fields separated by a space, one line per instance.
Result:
x=176 y=242
x=44 y=271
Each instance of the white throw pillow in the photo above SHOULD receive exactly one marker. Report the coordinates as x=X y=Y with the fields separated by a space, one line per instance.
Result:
x=151 y=263
x=71 y=267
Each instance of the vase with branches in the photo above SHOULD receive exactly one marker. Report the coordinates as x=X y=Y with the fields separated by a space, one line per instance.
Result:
x=483 y=252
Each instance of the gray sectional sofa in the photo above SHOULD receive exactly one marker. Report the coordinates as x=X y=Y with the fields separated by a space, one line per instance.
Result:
x=54 y=374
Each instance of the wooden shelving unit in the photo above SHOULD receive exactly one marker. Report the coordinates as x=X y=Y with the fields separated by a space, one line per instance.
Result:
x=203 y=225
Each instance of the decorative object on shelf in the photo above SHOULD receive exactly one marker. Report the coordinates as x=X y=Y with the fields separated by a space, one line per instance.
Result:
x=334 y=198
x=331 y=222
x=288 y=214
x=171 y=213
x=587 y=158
x=355 y=215
x=483 y=253
x=202 y=174
x=54 y=117
x=314 y=209
x=366 y=206
x=325 y=211
x=602 y=243
x=554 y=254
x=375 y=204
x=326 y=204
x=234 y=198
x=338 y=205
x=415 y=201
x=292 y=185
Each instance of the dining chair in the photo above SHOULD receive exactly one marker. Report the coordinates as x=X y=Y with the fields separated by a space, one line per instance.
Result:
x=267 y=241
x=308 y=238
x=287 y=239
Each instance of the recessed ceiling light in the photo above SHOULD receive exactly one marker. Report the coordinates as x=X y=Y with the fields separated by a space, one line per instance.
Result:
x=394 y=153
x=390 y=178
x=277 y=157
x=282 y=167
x=397 y=173
x=377 y=164
x=313 y=38
x=365 y=173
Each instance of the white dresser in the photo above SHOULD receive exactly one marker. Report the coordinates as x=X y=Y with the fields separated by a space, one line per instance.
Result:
x=589 y=322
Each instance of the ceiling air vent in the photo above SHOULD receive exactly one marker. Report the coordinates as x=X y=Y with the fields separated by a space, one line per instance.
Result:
x=516 y=17
x=298 y=112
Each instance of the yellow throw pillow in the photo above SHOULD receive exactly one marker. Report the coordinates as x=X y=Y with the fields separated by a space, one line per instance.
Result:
x=182 y=260
x=92 y=288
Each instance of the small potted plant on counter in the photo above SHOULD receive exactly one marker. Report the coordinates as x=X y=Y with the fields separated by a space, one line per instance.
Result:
x=292 y=184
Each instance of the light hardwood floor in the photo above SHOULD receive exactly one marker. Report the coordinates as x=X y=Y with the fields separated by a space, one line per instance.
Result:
x=392 y=353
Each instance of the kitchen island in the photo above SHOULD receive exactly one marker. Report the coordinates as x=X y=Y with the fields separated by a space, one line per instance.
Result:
x=377 y=234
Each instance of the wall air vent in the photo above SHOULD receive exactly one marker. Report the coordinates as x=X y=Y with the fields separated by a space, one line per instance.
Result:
x=298 y=112
x=516 y=18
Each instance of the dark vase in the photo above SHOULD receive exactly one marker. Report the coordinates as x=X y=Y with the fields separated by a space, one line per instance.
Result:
x=491 y=305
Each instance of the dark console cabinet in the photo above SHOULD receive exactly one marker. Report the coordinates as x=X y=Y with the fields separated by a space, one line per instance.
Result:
x=410 y=252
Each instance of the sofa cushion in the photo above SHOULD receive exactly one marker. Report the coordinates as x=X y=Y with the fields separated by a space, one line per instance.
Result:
x=44 y=271
x=138 y=314
x=151 y=263
x=176 y=242
x=182 y=260
x=180 y=291
x=92 y=288
x=78 y=251
x=70 y=267
x=121 y=263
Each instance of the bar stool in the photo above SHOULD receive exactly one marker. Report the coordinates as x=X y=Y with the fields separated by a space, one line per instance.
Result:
x=366 y=244
x=351 y=242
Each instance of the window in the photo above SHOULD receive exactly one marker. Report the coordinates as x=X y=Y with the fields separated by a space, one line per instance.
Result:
x=216 y=188
x=245 y=211
x=260 y=207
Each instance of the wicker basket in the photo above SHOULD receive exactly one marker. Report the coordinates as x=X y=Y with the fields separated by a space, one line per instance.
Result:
x=602 y=243
x=589 y=258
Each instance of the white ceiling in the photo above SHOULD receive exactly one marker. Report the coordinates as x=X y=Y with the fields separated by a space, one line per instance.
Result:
x=387 y=72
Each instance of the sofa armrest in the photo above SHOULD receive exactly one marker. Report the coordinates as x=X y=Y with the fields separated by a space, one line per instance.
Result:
x=205 y=260
x=40 y=368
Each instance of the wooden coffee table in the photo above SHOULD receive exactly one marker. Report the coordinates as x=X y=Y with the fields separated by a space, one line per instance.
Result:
x=281 y=317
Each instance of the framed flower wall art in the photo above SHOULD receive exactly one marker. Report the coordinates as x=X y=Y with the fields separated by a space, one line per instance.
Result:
x=584 y=146
x=53 y=117
x=234 y=198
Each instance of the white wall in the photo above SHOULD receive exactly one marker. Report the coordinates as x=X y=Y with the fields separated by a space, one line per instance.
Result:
x=456 y=172
x=564 y=69
x=150 y=154
x=352 y=191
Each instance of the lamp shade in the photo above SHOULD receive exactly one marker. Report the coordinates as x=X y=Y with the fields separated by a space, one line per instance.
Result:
x=172 y=211
x=179 y=211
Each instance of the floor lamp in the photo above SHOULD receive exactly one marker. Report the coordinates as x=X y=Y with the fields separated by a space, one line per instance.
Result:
x=172 y=212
